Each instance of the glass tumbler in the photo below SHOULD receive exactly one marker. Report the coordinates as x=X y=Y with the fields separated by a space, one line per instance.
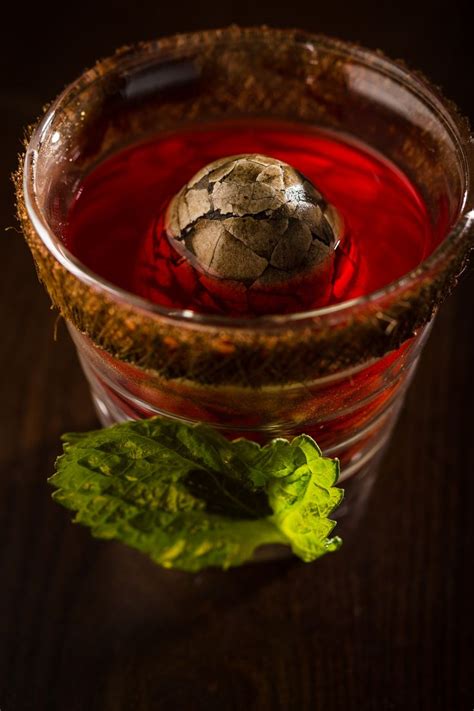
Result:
x=337 y=373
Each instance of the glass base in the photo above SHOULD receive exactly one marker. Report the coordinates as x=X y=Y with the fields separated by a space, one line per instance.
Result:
x=357 y=485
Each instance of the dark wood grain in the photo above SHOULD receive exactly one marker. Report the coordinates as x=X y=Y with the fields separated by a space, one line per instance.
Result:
x=384 y=624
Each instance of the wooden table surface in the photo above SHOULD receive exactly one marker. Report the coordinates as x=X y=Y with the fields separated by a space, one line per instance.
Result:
x=384 y=624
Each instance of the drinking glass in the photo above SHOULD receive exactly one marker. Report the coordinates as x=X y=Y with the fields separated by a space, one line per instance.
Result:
x=337 y=373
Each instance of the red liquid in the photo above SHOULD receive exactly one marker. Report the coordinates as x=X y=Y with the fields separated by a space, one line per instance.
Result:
x=115 y=220
x=115 y=228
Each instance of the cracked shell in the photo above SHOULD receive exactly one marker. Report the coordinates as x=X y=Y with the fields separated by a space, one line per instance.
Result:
x=256 y=220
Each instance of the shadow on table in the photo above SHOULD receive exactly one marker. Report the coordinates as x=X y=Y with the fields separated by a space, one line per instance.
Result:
x=94 y=621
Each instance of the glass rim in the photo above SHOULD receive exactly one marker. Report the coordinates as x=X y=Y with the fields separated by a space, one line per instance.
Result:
x=456 y=125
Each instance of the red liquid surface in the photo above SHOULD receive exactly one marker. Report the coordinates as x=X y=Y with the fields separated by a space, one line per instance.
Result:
x=115 y=220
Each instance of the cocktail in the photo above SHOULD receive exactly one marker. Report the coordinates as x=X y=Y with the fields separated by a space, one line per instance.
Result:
x=252 y=229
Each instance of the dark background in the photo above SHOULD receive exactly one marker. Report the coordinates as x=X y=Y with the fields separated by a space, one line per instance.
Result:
x=384 y=624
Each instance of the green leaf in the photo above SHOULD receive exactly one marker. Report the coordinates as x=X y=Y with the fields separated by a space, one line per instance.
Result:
x=189 y=498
